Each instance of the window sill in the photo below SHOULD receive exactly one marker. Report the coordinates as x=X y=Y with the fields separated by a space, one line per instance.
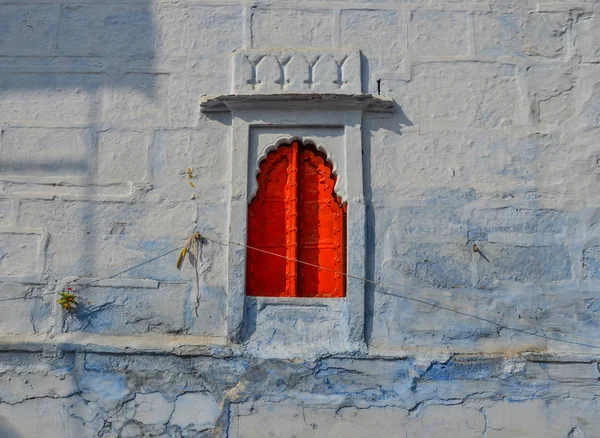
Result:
x=262 y=302
x=312 y=101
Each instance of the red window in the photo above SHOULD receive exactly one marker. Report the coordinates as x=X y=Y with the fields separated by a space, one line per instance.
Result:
x=296 y=214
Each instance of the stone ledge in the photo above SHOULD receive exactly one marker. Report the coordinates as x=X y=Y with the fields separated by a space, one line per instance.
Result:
x=140 y=344
x=117 y=282
x=24 y=279
x=219 y=347
x=291 y=102
x=295 y=302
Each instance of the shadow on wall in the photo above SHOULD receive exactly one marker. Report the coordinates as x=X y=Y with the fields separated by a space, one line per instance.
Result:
x=66 y=73
x=393 y=123
x=58 y=64
x=7 y=431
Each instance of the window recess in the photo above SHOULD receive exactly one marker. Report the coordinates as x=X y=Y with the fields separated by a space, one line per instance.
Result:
x=296 y=227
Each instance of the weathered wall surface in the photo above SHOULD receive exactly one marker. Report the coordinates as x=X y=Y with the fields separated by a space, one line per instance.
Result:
x=493 y=142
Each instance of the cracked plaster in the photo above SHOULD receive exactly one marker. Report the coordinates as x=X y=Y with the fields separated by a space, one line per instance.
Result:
x=492 y=141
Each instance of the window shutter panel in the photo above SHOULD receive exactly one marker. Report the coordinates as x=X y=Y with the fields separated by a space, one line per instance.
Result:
x=321 y=229
x=267 y=227
x=296 y=214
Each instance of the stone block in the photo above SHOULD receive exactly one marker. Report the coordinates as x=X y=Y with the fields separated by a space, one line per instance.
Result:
x=560 y=372
x=7 y=210
x=204 y=151
x=123 y=156
x=212 y=307
x=32 y=362
x=193 y=30
x=518 y=220
x=195 y=409
x=115 y=30
x=464 y=161
x=39 y=152
x=57 y=98
x=122 y=311
x=191 y=80
x=417 y=324
x=27 y=29
x=545 y=34
x=518 y=35
x=19 y=253
x=409 y=161
x=116 y=218
x=553 y=88
x=587 y=36
x=197 y=372
x=527 y=162
x=535 y=418
x=283 y=419
x=47 y=417
x=591 y=263
x=335 y=376
x=458 y=96
x=24 y=310
x=451 y=421
x=439 y=33
x=384 y=53
x=292 y=28
x=541 y=264
x=103 y=255
x=151 y=408
x=415 y=223
x=318 y=327
x=94 y=255
x=59 y=216
x=587 y=98
x=467 y=370
x=444 y=266
x=36 y=381
x=451 y=265
x=497 y=34
x=103 y=388
x=140 y=100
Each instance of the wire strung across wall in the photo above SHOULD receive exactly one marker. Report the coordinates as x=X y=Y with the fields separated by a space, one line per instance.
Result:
x=174 y=245
x=379 y=288
x=420 y=298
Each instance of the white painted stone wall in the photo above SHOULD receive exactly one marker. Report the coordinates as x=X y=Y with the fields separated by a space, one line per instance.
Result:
x=493 y=141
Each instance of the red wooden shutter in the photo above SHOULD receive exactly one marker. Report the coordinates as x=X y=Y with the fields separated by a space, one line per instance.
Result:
x=321 y=225
x=296 y=214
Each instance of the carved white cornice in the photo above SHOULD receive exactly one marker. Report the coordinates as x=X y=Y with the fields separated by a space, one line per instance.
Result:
x=307 y=78
x=365 y=102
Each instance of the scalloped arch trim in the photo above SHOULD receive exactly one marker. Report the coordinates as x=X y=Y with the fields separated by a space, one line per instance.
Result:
x=287 y=140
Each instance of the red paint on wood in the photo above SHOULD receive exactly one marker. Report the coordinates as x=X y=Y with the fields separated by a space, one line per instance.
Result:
x=265 y=273
x=296 y=213
x=321 y=229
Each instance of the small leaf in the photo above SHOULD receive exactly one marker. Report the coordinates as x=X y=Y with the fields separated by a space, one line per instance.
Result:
x=181 y=257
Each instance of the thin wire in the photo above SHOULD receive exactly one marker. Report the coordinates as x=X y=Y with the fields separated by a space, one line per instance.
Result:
x=124 y=262
x=491 y=321
x=27 y=297
x=133 y=267
x=75 y=282
x=366 y=280
x=420 y=300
